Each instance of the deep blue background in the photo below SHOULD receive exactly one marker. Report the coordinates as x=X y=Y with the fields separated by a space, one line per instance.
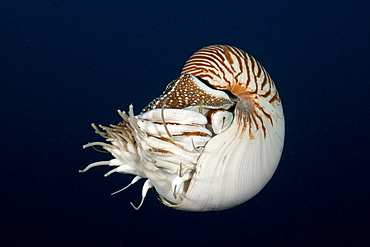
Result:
x=65 y=64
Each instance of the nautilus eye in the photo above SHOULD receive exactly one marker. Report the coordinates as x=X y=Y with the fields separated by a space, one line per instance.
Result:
x=210 y=142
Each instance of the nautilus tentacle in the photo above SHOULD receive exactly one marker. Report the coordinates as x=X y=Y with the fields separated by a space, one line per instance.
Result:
x=211 y=141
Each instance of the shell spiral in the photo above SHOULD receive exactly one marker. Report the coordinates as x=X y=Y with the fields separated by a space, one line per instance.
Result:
x=211 y=141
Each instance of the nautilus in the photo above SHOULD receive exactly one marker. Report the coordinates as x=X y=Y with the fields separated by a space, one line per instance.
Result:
x=210 y=142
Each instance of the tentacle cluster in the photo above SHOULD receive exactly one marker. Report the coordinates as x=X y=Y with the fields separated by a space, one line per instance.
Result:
x=162 y=145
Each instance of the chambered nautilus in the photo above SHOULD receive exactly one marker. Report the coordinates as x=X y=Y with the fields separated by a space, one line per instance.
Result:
x=210 y=142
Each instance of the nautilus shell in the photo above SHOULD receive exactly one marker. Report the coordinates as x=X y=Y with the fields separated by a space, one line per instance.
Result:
x=210 y=142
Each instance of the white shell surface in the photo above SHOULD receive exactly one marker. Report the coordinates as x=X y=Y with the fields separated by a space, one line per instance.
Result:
x=223 y=184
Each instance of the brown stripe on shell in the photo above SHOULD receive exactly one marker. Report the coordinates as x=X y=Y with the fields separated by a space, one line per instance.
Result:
x=194 y=133
x=275 y=98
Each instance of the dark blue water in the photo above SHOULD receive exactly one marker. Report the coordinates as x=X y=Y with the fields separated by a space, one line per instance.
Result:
x=65 y=64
